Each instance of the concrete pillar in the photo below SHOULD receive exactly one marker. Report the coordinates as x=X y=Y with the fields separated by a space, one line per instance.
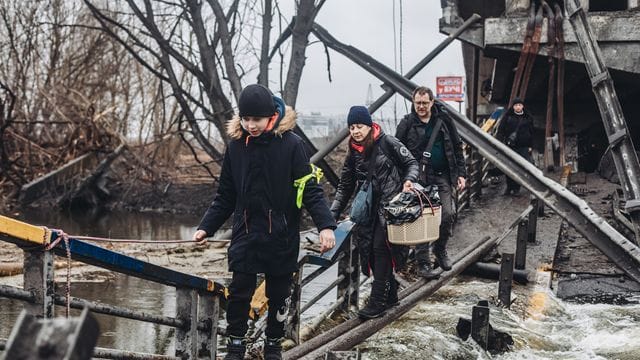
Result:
x=633 y=4
x=187 y=312
x=516 y=6
x=38 y=278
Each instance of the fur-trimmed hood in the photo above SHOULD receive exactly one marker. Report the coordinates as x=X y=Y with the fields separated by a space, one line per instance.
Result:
x=288 y=122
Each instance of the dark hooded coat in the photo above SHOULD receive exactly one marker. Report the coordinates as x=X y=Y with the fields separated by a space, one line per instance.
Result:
x=509 y=124
x=394 y=164
x=411 y=132
x=256 y=186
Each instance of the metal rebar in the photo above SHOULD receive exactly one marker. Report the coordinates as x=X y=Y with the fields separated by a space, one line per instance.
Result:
x=16 y=293
x=78 y=303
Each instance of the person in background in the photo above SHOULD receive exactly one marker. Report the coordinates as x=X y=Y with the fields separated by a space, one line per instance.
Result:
x=516 y=131
x=443 y=165
x=261 y=163
x=393 y=170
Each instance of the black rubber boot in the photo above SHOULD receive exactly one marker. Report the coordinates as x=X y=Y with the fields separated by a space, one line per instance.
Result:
x=236 y=347
x=442 y=257
x=273 y=349
x=426 y=271
x=392 y=295
x=377 y=304
x=423 y=258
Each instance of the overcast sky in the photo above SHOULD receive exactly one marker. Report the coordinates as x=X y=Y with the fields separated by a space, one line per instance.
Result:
x=369 y=26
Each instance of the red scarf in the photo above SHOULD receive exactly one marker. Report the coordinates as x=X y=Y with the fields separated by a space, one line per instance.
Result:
x=376 y=134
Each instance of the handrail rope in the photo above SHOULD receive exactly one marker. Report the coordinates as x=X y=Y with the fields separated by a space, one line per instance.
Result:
x=138 y=241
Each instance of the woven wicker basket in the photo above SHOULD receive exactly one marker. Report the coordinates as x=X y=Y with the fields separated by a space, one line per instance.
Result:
x=424 y=229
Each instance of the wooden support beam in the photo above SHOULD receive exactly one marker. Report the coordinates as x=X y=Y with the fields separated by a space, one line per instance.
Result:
x=480 y=326
x=521 y=244
x=35 y=235
x=208 y=313
x=533 y=220
x=187 y=312
x=39 y=280
x=506 y=280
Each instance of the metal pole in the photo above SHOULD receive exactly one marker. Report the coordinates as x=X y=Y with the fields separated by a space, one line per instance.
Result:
x=340 y=136
x=624 y=154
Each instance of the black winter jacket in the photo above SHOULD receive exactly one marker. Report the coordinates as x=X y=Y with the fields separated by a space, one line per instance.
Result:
x=256 y=186
x=394 y=164
x=509 y=124
x=411 y=132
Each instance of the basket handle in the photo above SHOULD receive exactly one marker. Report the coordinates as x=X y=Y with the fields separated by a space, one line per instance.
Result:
x=418 y=193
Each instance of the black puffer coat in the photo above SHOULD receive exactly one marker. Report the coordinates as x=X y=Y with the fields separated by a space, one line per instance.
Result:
x=411 y=132
x=394 y=164
x=509 y=124
x=256 y=186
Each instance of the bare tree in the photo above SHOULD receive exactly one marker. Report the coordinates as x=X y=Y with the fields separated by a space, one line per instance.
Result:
x=65 y=88
x=160 y=32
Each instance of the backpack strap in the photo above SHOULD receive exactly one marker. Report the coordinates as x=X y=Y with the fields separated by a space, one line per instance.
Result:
x=426 y=155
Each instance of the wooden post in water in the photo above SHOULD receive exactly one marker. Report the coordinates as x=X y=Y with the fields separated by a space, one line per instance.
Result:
x=521 y=243
x=506 y=280
x=480 y=324
x=38 y=279
x=187 y=313
x=533 y=220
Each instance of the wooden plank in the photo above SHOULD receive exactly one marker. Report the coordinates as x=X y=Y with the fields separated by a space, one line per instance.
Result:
x=108 y=259
x=23 y=231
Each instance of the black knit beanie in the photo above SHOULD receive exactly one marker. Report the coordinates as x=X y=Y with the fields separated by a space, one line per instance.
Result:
x=518 y=101
x=256 y=100
x=359 y=115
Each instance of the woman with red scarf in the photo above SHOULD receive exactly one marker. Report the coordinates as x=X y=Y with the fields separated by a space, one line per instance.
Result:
x=394 y=169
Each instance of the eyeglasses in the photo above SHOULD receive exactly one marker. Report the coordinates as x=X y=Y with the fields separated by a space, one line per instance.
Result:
x=422 y=103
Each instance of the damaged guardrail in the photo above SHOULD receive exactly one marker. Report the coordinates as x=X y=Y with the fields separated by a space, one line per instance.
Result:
x=576 y=211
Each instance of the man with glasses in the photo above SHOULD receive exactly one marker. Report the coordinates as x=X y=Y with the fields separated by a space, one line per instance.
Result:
x=429 y=126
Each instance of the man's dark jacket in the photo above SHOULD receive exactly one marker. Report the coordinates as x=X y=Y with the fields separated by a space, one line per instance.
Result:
x=394 y=164
x=411 y=132
x=256 y=186
x=509 y=124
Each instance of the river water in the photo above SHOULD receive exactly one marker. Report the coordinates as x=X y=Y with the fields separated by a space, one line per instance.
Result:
x=542 y=326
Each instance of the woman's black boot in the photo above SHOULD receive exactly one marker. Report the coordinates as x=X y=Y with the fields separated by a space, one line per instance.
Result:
x=377 y=304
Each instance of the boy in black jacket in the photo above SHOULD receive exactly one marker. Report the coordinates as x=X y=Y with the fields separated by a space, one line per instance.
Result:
x=256 y=185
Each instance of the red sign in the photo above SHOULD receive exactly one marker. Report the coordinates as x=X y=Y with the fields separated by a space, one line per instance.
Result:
x=450 y=88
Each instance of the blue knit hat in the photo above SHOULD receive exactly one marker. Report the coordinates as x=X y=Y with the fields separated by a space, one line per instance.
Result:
x=359 y=115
